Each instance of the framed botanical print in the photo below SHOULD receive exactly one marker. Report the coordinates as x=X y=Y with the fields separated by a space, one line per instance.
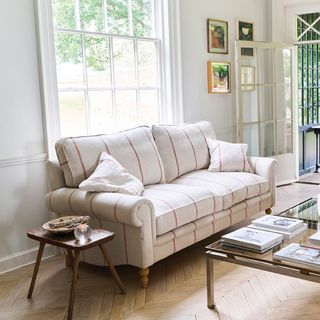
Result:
x=245 y=31
x=247 y=78
x=218 y=77
x=217 y=36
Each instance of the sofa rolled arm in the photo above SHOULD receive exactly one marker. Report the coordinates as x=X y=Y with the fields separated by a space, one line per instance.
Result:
x=114 y=207
x=267 y=168
x=55 y=175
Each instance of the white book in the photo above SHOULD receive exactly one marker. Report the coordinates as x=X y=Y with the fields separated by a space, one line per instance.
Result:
x=299 y=254
x=251 y=238
x=278 y=223
x=286 y=235
x=315 y=238
x=241 y=247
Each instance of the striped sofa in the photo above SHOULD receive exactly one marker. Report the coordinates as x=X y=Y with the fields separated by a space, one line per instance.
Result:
x=182 y=202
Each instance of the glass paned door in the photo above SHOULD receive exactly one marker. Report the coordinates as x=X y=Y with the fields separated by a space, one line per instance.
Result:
x=265 y=102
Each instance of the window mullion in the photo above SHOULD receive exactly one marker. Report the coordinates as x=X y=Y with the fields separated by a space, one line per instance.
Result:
x=136 y=66
x=130 y=17
x=77 y=13
x=113 y=91
x=85 y=75
x=105 y=15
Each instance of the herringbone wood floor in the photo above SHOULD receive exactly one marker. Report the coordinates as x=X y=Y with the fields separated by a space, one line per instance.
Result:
x=176 y=291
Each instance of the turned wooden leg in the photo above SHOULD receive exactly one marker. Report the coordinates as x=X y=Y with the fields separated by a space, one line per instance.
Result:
x=144 y=279
x=36 y=269
x=268 y=211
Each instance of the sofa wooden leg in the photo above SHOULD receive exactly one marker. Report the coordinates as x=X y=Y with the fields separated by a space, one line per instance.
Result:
x=268 y=211
x=144 y=279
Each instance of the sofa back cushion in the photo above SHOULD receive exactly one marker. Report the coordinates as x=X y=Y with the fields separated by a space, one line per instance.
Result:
x=183 y=148
x=134 y=149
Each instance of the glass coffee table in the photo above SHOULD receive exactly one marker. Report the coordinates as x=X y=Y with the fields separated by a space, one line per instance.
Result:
x=218 y=251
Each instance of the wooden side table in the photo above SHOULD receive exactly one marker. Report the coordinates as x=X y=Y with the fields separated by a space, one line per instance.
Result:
x=69 y=243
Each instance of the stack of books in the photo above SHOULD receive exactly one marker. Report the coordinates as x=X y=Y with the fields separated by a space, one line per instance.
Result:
x=288 y=227
x=299 y=254
x=252 y=239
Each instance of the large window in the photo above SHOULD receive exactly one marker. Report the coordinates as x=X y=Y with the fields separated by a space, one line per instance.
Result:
x=107 y=62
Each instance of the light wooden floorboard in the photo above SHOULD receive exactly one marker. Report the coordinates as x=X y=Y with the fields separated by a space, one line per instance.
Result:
x=177 y=289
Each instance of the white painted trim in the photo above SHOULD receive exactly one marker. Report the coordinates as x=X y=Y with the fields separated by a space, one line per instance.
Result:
x=24 y=258
x=48 y=75
x=171 y=61
x=41 y=157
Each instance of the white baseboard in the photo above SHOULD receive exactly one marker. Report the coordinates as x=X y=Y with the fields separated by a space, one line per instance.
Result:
x=25 y=258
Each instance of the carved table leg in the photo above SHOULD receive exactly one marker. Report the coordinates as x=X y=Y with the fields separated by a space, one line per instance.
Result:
x=36 y=269
x=144 y=279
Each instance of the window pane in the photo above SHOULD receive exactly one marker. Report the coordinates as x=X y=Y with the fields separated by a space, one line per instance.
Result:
x=91 y=15
x=284 y=133
x=98 y=62
x=126 y=109
x=118 y=17
x=72 y=113
x=69 y=61
x=142 y=18
x=100 y=110
x=267 y=140
x=148 y=110
x=265 y=95
x=249 y=105
x=251 y=137
x=148 y=76
x=64 y=14
x=124 y=66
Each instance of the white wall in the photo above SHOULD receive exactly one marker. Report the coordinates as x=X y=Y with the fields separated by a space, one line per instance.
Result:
x=220 y=109
x=22 y=149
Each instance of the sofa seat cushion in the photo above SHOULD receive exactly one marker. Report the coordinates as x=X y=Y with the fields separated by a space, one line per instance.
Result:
x=178 y=204
x=134 y=149
x=183 y=148
x=233 y=187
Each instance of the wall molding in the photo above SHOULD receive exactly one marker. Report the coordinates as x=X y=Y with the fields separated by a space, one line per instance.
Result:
x=24 y=258
x=41 y=157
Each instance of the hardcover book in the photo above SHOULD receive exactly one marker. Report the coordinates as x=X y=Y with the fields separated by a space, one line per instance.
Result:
x=300 y=254
x=251 y=238
x=286 y=235
x=278 y=223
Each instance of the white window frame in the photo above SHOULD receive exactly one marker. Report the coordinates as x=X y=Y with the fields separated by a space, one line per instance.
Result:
x=171 y=101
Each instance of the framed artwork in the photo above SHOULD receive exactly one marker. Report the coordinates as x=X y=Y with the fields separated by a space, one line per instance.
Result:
x=248 y=78
x=245 y=31
x=218 y=77
x=217 y=36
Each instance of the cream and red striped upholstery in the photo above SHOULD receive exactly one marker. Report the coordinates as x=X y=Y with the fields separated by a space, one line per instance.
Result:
x=228 y=157
x=167 y=217
x=134 y=149
x=183 y=148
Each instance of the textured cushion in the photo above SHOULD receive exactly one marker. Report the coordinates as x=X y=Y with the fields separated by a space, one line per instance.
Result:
x=134 y=149
x=183 y=148
x=201 y=193
x=110 y=176
x=225 y=156
x=233 y=187
x=176 y=205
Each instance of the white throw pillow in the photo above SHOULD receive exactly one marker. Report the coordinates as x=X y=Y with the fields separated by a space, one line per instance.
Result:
x=225 y=156
x=110 y=176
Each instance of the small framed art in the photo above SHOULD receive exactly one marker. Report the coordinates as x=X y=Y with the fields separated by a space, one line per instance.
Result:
x=247 y=78
x=245 y=31
x=217 y=36
x=218 y=77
